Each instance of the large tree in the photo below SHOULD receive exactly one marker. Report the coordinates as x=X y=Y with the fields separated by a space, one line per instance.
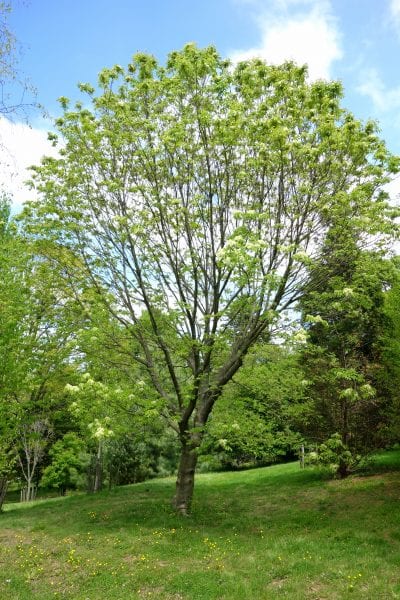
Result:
x=190 y=195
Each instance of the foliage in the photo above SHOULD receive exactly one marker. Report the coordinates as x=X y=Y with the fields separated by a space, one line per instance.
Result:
x=133 y=458
x=388 y=378
x=13 y=301
x=118 y=425
x=335 y=455
x=256 y=421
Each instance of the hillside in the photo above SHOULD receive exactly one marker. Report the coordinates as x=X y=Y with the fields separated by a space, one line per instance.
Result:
x=269 y=533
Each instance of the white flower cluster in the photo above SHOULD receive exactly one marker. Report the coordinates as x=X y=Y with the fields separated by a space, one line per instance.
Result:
x=99 y=430
x=239 y=250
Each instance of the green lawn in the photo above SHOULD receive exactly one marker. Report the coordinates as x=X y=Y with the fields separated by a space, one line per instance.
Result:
x=276 y=532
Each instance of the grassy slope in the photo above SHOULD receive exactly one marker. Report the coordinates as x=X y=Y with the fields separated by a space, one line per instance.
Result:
x=270 y=533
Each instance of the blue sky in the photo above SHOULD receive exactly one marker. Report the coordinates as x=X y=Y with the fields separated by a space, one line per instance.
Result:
x=68 y=41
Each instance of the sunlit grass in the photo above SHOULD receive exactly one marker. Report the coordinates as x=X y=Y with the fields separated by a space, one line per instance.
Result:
x=277 y=532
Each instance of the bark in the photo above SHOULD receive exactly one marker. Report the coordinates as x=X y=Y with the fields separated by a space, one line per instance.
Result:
x=302 y=457
x=343 y=470
x=191 y=438
x=28 y=493
x=3 y=490
x=98 y=474
x=185 y=480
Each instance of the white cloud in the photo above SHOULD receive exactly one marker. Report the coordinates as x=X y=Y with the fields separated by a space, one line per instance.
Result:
x=392 y=16
x=301 y=30
x=393 y=189
x=383 y=98
x=394 y=9
x=20 y=147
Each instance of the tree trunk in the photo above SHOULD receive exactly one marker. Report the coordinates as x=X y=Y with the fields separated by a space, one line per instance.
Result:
x=3 y=490
x=190 y=442
x=29 y=491
x=98 y=474
x=343 y=470
x=185 y=481
x=302 y=457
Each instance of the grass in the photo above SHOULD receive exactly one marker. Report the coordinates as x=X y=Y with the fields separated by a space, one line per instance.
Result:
x=276 y=532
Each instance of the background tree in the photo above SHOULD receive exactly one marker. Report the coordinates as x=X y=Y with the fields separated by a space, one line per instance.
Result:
x=14 y=299
x=35 y=332
x=344 y=314
x=68 y=464
x=12 y=104
x=115 y=418
x=190 y=196
x=31 y=444
x=12 y=290
x=388 y=376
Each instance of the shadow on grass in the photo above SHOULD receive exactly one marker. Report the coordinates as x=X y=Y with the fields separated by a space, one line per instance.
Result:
x=382 y=462
x=261 y=495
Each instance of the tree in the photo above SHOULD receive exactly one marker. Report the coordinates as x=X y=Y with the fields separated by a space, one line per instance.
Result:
x=31 y=445
x=12 y=290
x=111 y=413
x=9 y=104
x=388 y=377
x=13 y=303
x=35 y=332
x=68 y=462
x=190 y=196
x=344 y=314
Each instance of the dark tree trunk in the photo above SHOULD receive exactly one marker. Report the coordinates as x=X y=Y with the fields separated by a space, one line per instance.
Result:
x=190 y=443
x=343 y=470
x=185 y=481
x=3 y=490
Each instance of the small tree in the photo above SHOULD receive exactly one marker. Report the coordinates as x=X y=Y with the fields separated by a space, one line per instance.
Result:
x=31 y=446
x=68 y=462
x=190 y=196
